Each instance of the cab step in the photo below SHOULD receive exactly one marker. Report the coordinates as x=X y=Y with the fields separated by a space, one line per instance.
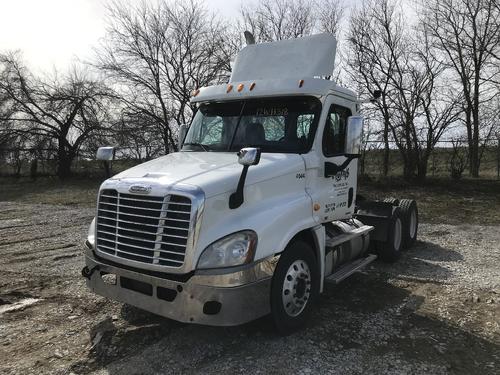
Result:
x=348 y=269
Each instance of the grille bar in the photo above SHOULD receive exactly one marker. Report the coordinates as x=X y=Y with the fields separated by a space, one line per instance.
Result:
x=151 y=230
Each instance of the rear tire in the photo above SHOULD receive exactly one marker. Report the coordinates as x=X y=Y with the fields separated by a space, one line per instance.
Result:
x=294 y=287
x=393 y=201
x=390 y=250
x=409 y=217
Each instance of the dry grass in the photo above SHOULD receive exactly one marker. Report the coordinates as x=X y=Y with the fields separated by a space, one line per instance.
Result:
x=75 y=192
x=444 y=201
x=439 y=200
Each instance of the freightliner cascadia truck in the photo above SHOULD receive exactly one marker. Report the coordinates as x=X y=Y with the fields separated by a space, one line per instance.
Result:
x=258 y=209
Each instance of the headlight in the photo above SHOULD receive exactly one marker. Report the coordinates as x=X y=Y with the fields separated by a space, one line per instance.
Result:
x=91 y=233
x=233 y=250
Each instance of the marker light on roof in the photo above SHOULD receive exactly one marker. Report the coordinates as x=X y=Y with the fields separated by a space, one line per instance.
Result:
x=229 y=88
x=240 y=87
x=252 y=86
x=196 y=92
x=301 y=83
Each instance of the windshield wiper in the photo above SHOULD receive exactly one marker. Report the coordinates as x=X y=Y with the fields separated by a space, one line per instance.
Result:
x=200 y=145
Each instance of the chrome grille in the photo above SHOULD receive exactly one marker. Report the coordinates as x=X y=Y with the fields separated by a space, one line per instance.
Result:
x=144 y=229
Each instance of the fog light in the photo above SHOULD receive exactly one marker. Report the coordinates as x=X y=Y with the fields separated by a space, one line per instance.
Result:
x=211 y=308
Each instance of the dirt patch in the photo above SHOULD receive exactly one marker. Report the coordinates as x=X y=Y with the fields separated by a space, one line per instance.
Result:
x=435 y=311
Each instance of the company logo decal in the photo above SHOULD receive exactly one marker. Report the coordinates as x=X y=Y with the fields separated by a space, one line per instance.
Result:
x=342 y=175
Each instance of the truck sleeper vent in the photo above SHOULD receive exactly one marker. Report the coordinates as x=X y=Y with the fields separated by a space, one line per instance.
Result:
x=143 y=229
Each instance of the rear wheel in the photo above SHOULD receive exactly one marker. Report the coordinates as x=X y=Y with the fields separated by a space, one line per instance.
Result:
x=294 y=287
x=409 y=217
x=393 y=201
x=390 y=250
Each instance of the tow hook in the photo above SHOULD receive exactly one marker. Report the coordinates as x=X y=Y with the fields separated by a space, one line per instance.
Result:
x=87 y=273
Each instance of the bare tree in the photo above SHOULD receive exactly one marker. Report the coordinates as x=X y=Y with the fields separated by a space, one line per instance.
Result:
x=329 y=15
x=371 y=61
x=392 y=56
x=66 y=110
x=156 y=55
x=278 y=19
x=286 y=19
x=468 y=34
x=141 y=145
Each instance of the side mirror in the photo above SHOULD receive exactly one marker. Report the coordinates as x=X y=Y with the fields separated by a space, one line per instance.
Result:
x=182 y=134
x=353 y=135
x=105 y=153
x=249 y=156
x=246 y=156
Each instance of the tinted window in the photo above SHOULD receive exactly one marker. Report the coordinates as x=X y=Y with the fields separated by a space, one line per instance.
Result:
x=285 y=124
x=334 y=132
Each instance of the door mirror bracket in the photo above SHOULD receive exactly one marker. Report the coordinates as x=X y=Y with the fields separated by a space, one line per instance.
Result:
x=246 y=156
x=107 y=155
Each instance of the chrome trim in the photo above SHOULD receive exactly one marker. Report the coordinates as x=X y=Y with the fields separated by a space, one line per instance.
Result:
x=158 y=189
x=240 y=275
x=241 y=301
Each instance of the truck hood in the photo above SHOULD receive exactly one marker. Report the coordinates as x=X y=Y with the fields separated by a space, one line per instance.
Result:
x=214 y=172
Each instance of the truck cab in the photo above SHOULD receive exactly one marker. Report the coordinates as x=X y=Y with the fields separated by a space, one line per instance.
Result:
x=258 y=209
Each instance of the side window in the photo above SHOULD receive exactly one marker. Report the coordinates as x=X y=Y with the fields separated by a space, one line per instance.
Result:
x=334 y=132
x=304 y=123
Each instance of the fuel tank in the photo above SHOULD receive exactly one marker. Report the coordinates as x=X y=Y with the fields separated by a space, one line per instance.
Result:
x=353 y=248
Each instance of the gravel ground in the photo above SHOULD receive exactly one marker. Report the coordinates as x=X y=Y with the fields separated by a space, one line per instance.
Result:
x=435 y=311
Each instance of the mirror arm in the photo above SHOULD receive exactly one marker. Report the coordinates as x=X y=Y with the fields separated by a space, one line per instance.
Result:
x=331 y=169
x=107 y=168
x=236 y=199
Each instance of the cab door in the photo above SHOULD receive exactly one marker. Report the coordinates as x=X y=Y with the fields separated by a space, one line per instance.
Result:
x=337 y=191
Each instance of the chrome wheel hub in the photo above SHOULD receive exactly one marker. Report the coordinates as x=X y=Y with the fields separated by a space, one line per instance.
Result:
x=296 y=288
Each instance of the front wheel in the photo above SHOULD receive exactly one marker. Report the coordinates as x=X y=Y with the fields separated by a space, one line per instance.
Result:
x=294 y=287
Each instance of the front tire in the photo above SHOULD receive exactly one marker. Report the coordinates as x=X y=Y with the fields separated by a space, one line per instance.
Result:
x=294 y=288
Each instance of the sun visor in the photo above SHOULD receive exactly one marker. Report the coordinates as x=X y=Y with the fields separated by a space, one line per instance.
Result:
x=311 y=56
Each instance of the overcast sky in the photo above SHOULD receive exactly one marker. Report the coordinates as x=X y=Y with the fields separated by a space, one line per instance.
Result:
x=54 y=32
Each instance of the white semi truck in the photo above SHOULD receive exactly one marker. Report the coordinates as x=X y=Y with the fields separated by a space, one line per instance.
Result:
x=257 y=210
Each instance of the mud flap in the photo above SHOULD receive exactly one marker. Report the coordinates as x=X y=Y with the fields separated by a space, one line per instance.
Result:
x=377 y=214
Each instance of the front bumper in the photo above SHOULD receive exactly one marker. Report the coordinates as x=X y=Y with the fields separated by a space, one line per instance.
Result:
x=224 y=297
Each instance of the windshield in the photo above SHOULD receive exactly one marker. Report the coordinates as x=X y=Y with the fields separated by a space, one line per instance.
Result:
x=275 y=125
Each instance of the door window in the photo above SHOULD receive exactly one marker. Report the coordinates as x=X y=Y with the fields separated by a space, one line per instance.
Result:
x=335 y=130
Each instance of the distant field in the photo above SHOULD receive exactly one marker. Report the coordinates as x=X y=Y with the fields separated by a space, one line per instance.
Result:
x=440 y=200
x=439 y=165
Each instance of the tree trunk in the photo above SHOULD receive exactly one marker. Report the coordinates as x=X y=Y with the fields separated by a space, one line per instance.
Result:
x=409 y=163
x=386 y=148
x=422 y=168
x=474 y=152
x=64 y=160
x=64 y=167
x=34 y=169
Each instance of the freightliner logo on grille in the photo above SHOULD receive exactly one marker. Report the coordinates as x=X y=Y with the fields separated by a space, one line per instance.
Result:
x=139 y=189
